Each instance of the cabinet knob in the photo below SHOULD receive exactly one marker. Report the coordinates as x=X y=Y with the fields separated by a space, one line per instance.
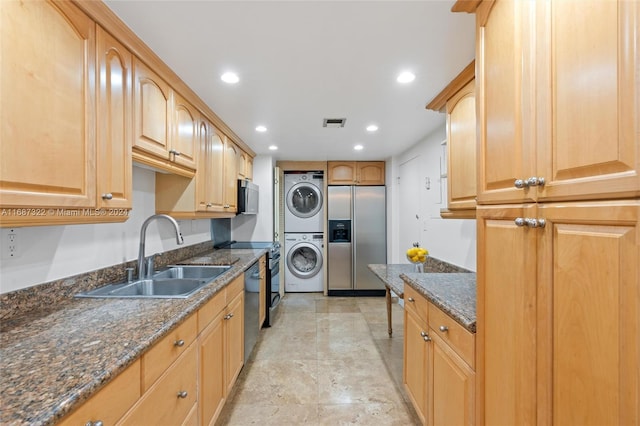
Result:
x=519 y=221
x=444 y=328
x=174 y=152
x=209 y=204
x=535 y=181
x=182 y=394
x=179 y=343
x=228 y=316
x=107 y=196
x=96 y=423
x=535 y=223
x=425 y=336
x=520 y=184
x=411 y=299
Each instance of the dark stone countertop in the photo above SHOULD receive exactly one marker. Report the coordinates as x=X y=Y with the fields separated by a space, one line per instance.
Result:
x=450 y=288
x=54 y=360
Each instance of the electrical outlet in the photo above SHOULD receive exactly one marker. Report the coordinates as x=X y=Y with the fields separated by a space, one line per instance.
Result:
x=10 y=243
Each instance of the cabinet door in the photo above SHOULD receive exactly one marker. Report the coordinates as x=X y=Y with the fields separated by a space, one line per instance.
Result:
x=452 y=384
x=588 y=99
x=341 y=172
x=262 y=311
x=184 y=141
x=234 y=340
x=242 y=164
x=212 y=389
x=249 y=170
x=203 y=173
x=370 y=173
x=461 y=144
x=506 y=151
x=230 y=177
x=115 y=127
x=506 y=316
x=415 y=363
x=217 y=181
x=47 y=154
x=589 y=313
x=152 y=102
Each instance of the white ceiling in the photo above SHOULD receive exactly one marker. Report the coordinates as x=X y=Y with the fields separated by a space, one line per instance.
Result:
x=302 y=61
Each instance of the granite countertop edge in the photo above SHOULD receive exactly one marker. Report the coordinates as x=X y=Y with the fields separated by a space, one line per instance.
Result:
x=453 y=293
x=39 y=385
x=452 y=289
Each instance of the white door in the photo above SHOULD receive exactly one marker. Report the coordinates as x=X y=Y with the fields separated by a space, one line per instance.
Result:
x=409 y=206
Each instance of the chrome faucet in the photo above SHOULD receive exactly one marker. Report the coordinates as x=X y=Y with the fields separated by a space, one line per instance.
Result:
x=142 y=273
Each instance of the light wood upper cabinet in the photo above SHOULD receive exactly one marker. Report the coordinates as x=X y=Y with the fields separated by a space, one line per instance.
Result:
x=115 y=123
x=152 y=112
x=588 y=97
x=506 y=150
x=461 y=147
x=356 y=172
x=185 y=132
x=570 y=114
x=166 y=125
x=230 y=176
x=47 y=159
x=458 y=100
x=242 y=164
x=209 y=176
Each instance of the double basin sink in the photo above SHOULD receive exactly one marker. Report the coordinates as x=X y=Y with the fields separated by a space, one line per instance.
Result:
x=175 y=282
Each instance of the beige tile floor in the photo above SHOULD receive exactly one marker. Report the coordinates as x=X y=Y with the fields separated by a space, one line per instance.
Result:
x=325 y=361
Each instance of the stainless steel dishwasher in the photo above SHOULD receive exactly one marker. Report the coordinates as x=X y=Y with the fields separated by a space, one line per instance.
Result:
x=251 y=308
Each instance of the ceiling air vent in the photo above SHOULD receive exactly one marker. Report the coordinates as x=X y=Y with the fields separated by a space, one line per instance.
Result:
x=334 y=122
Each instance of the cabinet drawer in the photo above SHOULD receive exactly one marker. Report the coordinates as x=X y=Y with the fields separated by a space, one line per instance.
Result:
x=461 y=340
x=111 y=402
x=211 y=309
x=167 y=350
x=415 y=303
x=234 y=288
x=161 y=404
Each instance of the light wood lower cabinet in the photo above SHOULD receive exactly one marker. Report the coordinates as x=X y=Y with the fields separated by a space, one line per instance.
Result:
x=438 y=364
x=111 y=402
x=221 y=345
x=262 y=311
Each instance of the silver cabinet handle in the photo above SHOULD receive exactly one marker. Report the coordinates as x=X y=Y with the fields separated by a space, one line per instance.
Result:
x=520 y=184
x=96 y=423
x=182 y=394
x=209 y=204
x=444 y=328
x=425 y=336
x=535 y=181
x=411 y=299
x=530 y=222
x=107 y=196
x=174 y=152
x=536 y=223
x=179 y=343
x=228 y=316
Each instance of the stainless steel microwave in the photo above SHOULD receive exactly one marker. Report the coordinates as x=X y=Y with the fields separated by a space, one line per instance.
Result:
x=248 y=193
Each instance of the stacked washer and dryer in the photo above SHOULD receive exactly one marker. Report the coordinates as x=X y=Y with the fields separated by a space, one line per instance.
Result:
x=303 y=227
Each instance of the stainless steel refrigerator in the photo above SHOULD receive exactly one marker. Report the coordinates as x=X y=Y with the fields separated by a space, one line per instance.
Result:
x=357 y=237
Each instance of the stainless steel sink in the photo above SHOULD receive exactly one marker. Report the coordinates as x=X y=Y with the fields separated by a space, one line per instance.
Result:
x=173 y=283
x=187 y=271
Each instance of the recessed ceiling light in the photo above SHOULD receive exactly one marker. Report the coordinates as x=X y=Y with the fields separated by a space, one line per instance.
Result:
x=273 y=148
x=358 y=147
x=261 y=129
x=406 y=77
x=230 y=77
x=372 y=128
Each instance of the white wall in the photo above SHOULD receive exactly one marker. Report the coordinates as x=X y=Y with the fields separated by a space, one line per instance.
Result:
x=451 y=240
x=258 y=227
x=52 y=252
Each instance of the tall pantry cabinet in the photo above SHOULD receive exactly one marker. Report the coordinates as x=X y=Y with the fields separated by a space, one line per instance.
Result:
x=558 y=102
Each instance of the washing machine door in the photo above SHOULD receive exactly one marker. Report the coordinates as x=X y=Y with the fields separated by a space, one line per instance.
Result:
x=304 y=200
x=304 y=260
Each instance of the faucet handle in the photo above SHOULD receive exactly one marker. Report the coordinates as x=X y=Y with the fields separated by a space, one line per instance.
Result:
x=149 y=268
